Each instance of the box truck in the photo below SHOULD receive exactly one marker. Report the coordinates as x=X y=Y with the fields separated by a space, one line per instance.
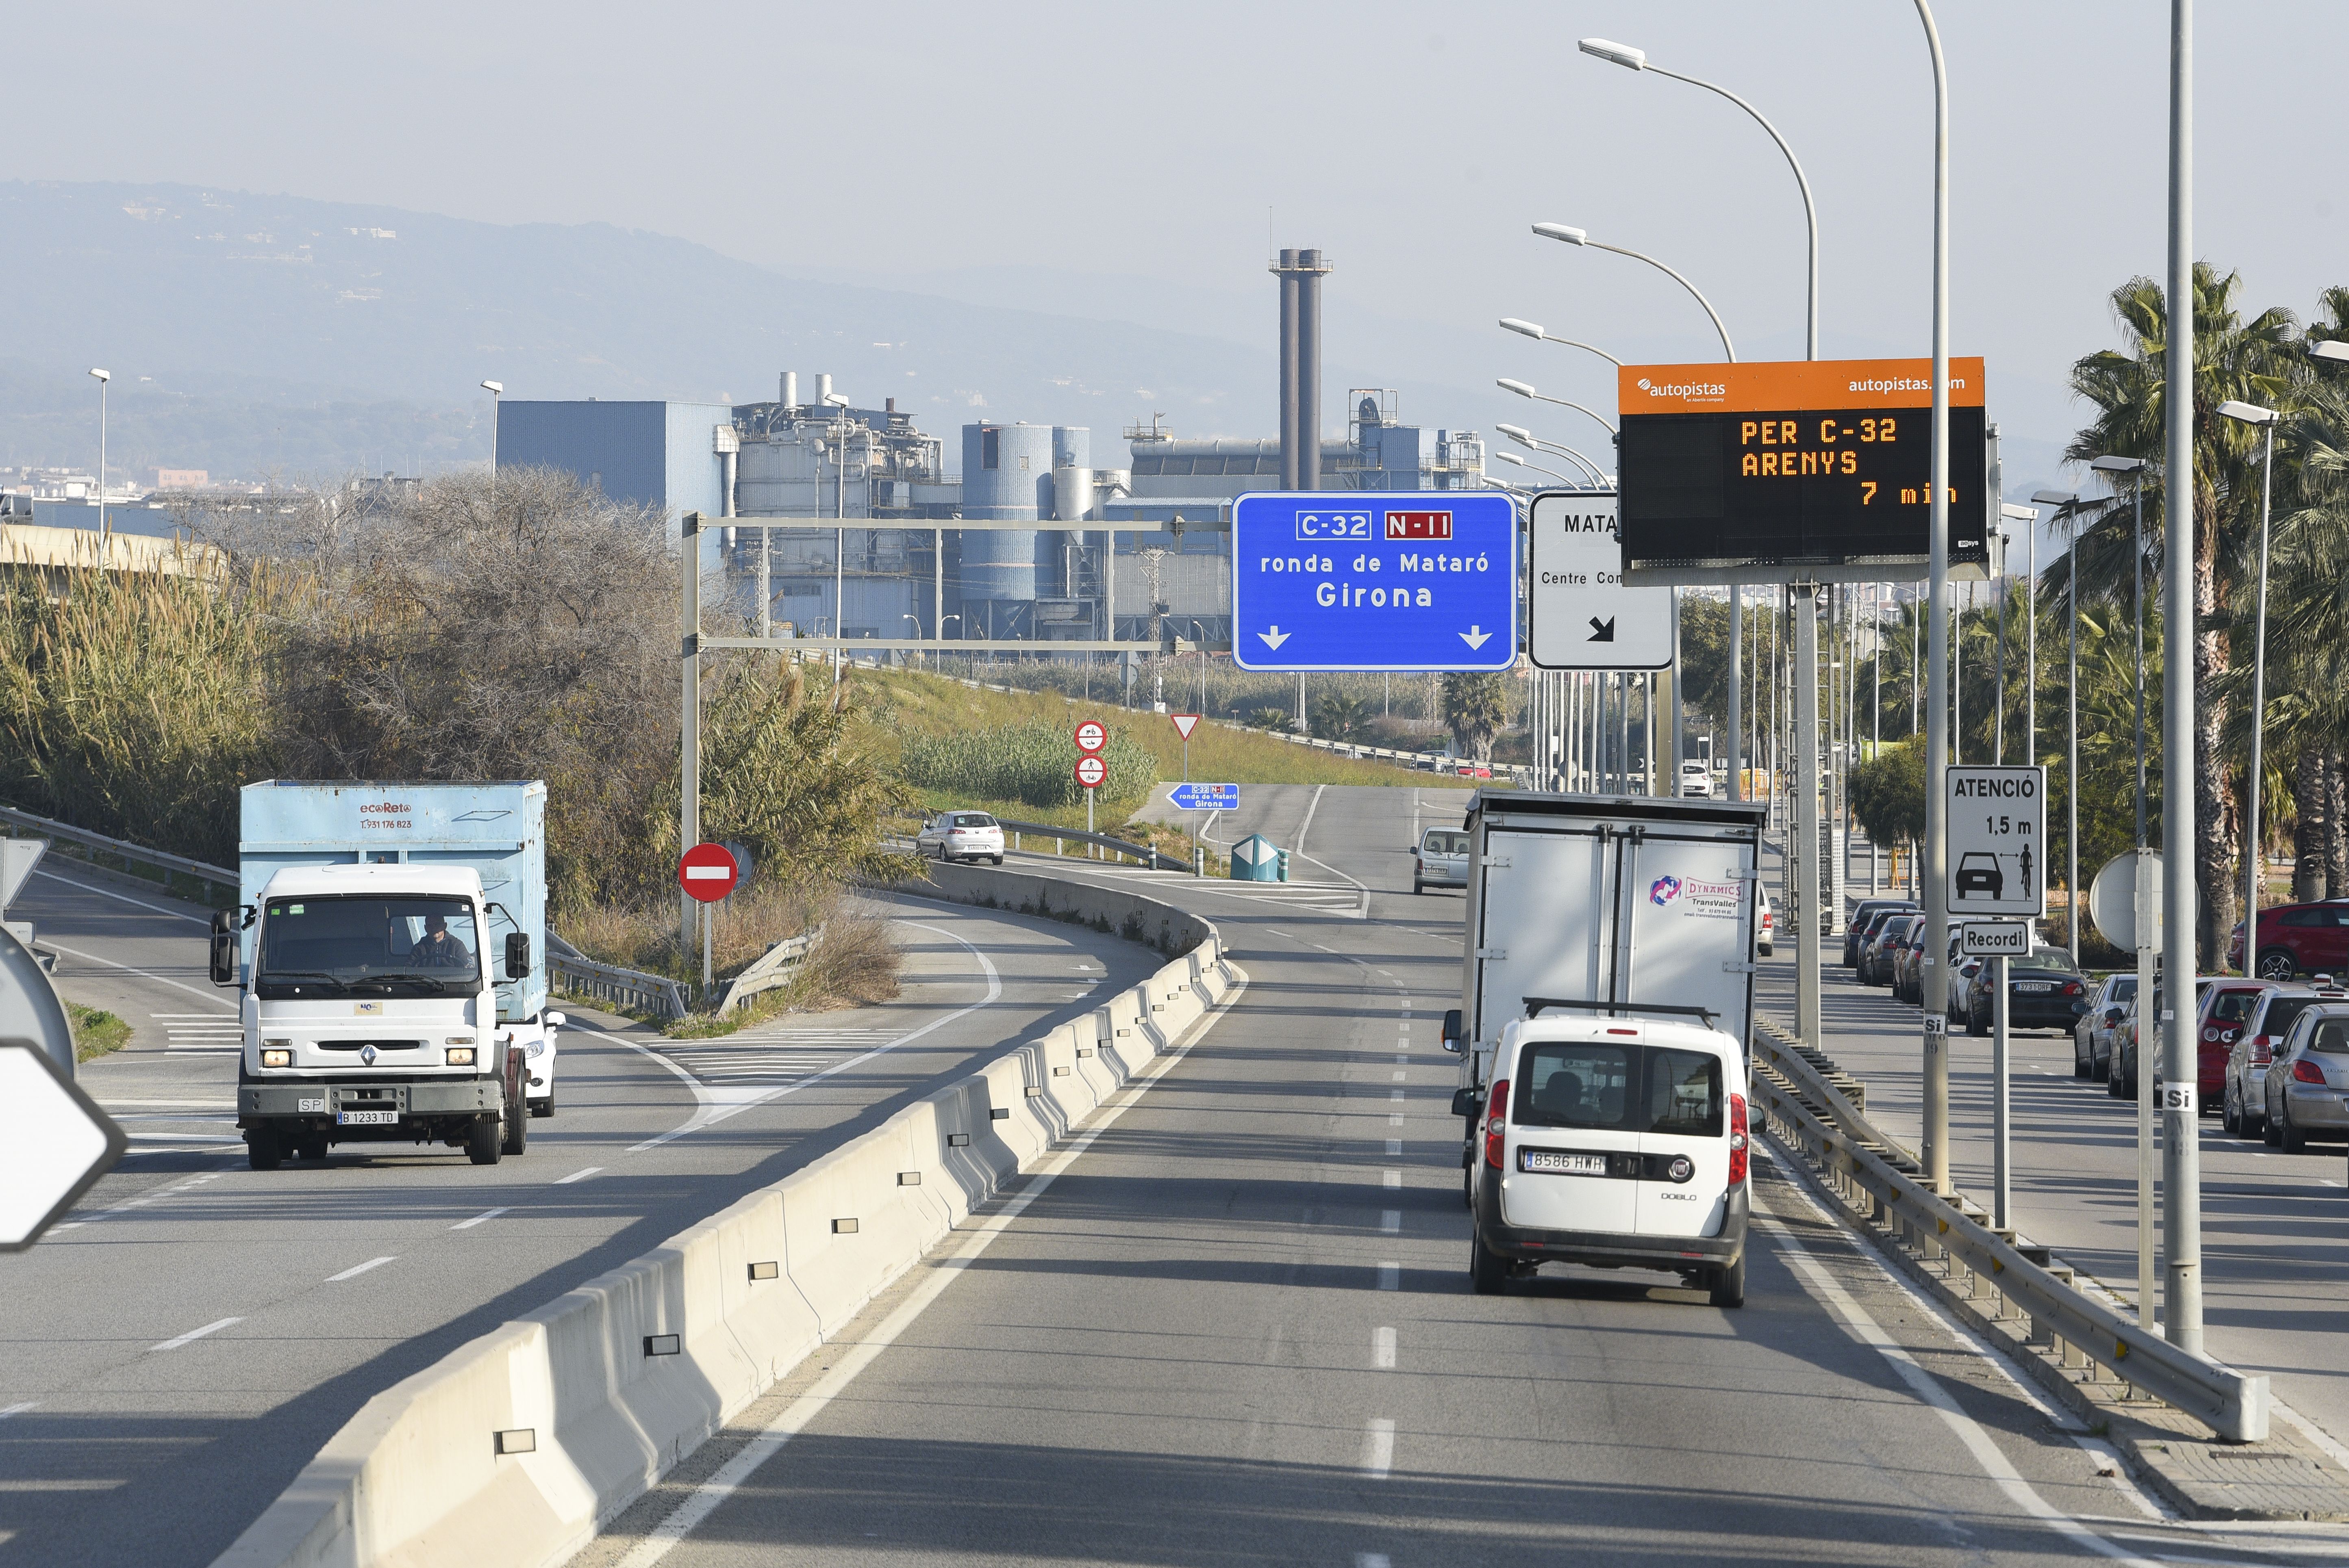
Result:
x=390 y=946
x=1607 y=988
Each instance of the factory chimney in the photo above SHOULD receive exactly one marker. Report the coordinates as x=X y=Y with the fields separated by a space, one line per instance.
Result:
x=1300 y=274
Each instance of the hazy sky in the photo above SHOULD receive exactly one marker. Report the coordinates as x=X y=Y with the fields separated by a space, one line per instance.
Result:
x=1164 y=150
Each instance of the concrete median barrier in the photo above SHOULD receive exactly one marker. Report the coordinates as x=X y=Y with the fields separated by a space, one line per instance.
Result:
x=514 y=1448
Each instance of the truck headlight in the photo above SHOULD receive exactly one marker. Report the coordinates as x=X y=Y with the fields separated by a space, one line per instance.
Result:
x=461 y=1055
x=277 y=1058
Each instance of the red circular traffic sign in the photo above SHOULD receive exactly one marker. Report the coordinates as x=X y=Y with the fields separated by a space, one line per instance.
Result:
x=1091 y=771
x=1092 y=736
x=708 y=872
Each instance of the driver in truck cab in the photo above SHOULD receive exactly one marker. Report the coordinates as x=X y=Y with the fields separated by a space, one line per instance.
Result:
x=436 y=949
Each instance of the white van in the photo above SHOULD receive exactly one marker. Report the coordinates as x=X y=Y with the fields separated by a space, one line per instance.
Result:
x=1613 y=1142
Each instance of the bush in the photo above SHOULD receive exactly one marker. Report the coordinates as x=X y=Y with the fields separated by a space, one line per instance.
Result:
x=1034 y=763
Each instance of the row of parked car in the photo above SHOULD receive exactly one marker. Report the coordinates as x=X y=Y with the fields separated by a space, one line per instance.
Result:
x=2273 y=1051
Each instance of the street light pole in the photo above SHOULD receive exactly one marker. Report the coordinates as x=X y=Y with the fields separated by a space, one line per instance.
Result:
x=2250 y=414
x=2066 y=505
x=1937 y=695
x=103 y=377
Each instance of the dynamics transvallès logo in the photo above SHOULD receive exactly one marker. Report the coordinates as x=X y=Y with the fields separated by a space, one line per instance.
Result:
x=1664 y=890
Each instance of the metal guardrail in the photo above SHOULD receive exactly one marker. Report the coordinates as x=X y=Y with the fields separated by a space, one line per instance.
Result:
x=2232 y=1404
x=1150 y=857
x=219 y=876
x=769 y=970
x=632 y=989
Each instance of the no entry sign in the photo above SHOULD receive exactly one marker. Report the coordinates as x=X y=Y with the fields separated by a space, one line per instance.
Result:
x=1092 y=736
x=708 y=872
x=1091 y=771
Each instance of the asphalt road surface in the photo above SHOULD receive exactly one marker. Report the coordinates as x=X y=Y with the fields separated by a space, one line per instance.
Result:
x=176 y=1353
x=1234 y=1327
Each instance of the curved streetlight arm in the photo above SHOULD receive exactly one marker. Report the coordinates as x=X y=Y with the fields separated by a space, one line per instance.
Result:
x=1512 y=457
x=1810 y=209
x=1694 y=292
x=1534 y=443
x=1534 y=330
x=1522 y=391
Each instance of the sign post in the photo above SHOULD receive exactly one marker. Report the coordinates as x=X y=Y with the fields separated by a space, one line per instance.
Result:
x=2125 y=901
x=707 y=873
x=2000 y=941
x=1091 y=736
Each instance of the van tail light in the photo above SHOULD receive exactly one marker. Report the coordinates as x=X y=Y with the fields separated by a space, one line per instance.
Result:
x=2306 y=1071
x=1496 y=1122
x=1736 y=1139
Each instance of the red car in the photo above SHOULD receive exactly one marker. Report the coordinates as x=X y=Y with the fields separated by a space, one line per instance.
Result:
x=2298 y=939
x=2226 y=1007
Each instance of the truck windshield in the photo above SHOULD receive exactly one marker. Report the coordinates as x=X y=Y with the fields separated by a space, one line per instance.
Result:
x=375 y=946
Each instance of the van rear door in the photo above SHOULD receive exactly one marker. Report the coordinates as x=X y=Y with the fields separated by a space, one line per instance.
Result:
x=1687 y=1117
x=1573 y=1145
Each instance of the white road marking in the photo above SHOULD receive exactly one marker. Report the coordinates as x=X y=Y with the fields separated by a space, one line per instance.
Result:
x=121 y=898
x=1394 y=1122
x=1372 y=1560
x=578 y=1176
x=1394 y=1179
x=1400 y=1077
x=1391 y=1276
x=1391 y=1221
x=193 y=1335
x=18 y=1409
x=794 y=1417
x=1394 y=1146
x=1382 y=1349
x=1394 y=1094
x=133 y=969
x=358 y=1269
x=1378 y=1450
x=484 y=1214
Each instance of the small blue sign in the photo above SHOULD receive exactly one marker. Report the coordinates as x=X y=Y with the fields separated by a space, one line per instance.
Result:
x=1417 y=579
x=1206 y=797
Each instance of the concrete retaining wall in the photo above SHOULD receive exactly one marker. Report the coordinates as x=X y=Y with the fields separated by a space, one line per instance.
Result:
x=1129 y=915
x=417 y=1479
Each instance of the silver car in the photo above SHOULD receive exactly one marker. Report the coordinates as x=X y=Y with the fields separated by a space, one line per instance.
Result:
x=961 y=836
x=2307 y=1091
x=1440 y=859
x=2091 y=1037
x=2245 y=1096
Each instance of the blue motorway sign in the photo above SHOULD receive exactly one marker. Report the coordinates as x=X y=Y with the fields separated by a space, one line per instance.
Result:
x=1206 y=797
x=1419 y=579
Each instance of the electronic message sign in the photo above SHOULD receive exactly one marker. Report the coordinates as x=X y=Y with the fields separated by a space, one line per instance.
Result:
x=1818 y=469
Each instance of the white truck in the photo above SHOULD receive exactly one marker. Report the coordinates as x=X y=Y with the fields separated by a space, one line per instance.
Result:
x=1606 y=994
x=392 y=951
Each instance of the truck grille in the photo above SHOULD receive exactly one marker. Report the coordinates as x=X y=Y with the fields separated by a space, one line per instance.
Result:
x=362 y=1045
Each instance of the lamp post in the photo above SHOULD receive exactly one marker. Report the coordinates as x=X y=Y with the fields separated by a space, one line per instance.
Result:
x=1524 y=390
x=2251 y=414
x=103 y=377
x=497 y=391
x=2135 y=468
x=1936 y=1094
x=2065 y=505
x=1574 y=236
x=1533 y=330
x=1520 y=462
x=1534 y=443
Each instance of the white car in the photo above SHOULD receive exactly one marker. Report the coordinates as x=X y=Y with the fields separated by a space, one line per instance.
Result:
x=961 y=836
x=1618 y=1142
x=1765 y=924
x=1696 y=780
x=1440 y=859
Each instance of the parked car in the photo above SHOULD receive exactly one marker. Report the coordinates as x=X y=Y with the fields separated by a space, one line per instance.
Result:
x=2298 y=939
x=1766 y=928
x=1907 y=961
x=2307 y=1089
x=1864 y=920
x=1959 y=969
x=2223 y=1008
x=2121 y=1082
x=2043 y=991
x=1440 y=859
x=1876 y=953
x=961 y=836
x=1696 y=780
x=2092 y=1036
x=2243 y=1097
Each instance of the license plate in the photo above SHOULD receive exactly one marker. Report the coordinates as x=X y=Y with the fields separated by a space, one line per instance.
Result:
x=366 y=1118
x=1562 y=1164
x=2037 y=986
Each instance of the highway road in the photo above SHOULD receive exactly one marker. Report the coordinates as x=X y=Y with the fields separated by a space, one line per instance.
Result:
x=2276 y=1249
x=185 y=1344
x=1236 y=1327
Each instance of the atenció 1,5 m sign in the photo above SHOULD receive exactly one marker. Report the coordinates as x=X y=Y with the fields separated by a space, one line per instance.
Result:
x=1997 y=823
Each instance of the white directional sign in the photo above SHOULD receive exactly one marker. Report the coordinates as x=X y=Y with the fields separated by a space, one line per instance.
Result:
x=1580 y=615
x=17 y=859
x=54 y=1142
x=1997 y=821
x=1996 y=939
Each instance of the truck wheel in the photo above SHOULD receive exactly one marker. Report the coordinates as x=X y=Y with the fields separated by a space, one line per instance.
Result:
x=483 y=1140
x=1729 y=1285
x=1486 y=1269
x=517 y=1130
x=262 y=1149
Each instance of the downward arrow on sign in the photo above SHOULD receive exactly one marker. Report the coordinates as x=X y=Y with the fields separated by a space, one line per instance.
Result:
x=1602 y=631
x=1476 y=636
x=1274 y=638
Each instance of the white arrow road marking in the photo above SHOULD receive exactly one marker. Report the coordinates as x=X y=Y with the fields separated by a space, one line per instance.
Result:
x=1476 y=636
x=1274 y=638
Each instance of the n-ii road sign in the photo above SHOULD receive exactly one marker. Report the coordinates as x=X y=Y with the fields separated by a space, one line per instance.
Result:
x=1205 y=797
x=1418 y=580
x=1579 y=614
x=1091 y=771
x=708 y=872
x=1997 y=823
x=1091 y=736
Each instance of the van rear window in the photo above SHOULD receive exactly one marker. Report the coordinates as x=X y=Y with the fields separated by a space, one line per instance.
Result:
x=1619 y=1088
x=1447 y=843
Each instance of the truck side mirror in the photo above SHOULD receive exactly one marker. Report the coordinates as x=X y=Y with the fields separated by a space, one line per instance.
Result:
x=517 y=954
x=1451 y=1041
x=224 y=947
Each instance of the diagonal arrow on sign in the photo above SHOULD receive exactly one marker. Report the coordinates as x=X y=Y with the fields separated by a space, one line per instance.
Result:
x=1476 y=636
x=1274 y=638
x=1602 y=631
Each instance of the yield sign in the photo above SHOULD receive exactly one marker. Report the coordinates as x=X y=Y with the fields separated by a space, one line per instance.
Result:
x=708 y=872
x=54 y=1143
x=1092 y=736
x=1185 y=723
x=1091 y=771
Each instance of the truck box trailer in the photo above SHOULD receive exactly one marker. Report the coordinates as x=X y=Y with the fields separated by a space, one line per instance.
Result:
x=390 y=946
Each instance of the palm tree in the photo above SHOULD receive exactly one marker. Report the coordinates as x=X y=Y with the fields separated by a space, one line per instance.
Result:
x=2251 y=360
x=1476 y=706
